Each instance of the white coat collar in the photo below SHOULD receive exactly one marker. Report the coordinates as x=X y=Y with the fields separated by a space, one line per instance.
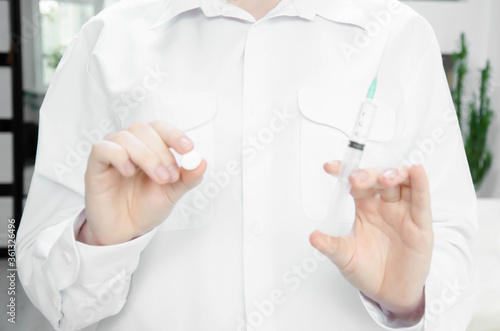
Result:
x=342 y=11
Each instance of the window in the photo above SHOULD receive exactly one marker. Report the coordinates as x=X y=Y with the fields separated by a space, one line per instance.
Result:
x=60 y=21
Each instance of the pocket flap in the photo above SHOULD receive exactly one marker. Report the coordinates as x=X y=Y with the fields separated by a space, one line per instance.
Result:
x=185 y=110
x=339 y=110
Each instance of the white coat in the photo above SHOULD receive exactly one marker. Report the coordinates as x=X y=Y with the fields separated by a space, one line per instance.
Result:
x=266 y=103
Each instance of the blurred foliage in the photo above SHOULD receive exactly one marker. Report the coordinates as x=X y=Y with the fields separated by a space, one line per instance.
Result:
x=479 y=118
x=460 y=69
x=54 y=58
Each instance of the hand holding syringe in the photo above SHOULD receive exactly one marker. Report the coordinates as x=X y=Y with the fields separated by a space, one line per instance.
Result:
x=350 y=163
x=387 y=255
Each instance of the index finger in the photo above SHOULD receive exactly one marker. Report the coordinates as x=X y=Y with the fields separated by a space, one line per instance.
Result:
x=420 y=197
x=172 y=136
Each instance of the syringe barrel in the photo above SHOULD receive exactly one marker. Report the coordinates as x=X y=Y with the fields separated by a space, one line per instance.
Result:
x=364 y=122
x=336 y=221
x=350 y=162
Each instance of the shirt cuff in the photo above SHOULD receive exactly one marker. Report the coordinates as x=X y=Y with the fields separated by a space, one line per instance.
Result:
x=382 y=317
x=100 y=263
x=70 y=260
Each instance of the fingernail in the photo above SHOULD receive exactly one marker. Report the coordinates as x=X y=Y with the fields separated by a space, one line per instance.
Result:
x=185 y=143
x=129 y=167
x=162 y=172
x=390 y=174
x=360 y=175
x=174 y=173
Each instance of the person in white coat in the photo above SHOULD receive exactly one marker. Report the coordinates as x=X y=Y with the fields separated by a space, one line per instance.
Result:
x=117 y=236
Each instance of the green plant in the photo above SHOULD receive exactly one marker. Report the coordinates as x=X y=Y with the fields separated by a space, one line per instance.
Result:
x=476 y=147
x=460 y=68
x=479 y=117
x=54 y=58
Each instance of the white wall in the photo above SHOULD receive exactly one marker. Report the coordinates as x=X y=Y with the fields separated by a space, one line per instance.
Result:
x=480 y=20
x=4 y=27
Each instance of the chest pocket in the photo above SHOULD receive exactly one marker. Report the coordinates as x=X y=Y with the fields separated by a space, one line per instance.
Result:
x=193 y=113
x=327 y=120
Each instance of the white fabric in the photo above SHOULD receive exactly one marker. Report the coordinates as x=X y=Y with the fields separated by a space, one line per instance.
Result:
x=266 y=104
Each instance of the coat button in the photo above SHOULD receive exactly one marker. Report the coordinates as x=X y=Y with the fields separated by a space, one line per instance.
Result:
x=255 y=112
x=67 y=258
x=258 y=229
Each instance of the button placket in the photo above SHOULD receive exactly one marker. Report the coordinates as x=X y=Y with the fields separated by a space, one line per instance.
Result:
x=256 y=72
x=256 y=102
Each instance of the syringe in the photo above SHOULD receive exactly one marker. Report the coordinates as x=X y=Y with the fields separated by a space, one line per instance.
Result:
x=350 y=163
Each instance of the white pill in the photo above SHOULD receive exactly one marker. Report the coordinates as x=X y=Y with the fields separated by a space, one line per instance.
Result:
x=191 y=160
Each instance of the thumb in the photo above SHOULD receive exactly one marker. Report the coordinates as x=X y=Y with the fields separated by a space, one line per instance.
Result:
x=188 y=179
x=338 y=249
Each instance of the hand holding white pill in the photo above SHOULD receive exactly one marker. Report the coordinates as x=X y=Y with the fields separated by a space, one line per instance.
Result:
x=133 y=181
